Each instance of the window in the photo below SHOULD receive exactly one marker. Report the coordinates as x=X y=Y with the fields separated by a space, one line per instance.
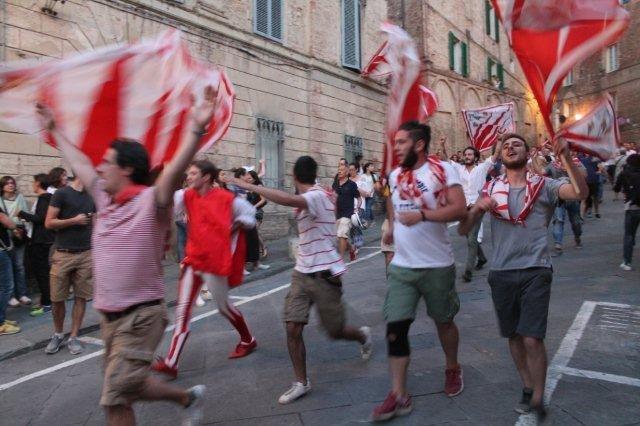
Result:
x=270 y=146
x=267 y=18
x=495 y=73
x=611 y=58
x=351 y=34
x=458 y=55
x=352 y=147
x=568 y=80
x=491 y=22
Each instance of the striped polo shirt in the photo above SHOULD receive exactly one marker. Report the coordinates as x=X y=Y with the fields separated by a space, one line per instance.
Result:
x=128 y=246
x=317 y=234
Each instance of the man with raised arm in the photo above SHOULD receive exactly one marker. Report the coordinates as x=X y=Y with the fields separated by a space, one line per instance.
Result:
x=128 y=244
x=521 y=205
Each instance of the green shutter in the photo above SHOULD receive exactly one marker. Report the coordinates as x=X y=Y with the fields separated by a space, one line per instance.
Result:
x=501 y=76
x=465 y=60
x=497 y=29
x=487 y=16
x=489 y=61
x=452 y=42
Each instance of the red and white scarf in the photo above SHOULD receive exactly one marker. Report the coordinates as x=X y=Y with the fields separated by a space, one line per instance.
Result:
x=409 y=189
x=498 y=190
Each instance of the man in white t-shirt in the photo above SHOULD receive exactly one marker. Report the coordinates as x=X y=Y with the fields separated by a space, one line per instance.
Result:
x=425 y=195
x=473 y=176
x=316 y=278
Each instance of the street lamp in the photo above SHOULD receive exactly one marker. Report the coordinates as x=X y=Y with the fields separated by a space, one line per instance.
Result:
x=577 y=117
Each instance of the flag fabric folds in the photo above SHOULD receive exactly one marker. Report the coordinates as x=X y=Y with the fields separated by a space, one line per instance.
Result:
x=549 y=37
x=397 y=62
x=485 y=125
x=596 y=133
x=142 y=91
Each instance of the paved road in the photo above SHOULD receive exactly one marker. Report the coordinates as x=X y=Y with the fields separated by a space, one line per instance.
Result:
x=593 y=342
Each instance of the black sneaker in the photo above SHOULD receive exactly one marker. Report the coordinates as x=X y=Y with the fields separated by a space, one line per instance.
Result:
x=523 y=406
x=466 y=277
x=578 y=243
x=480 y=264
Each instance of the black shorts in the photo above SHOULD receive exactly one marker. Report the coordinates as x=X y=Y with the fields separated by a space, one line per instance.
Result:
x=521 y=300
x=593 y=189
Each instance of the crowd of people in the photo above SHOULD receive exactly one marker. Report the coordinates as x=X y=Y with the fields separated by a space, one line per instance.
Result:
x=80 y=228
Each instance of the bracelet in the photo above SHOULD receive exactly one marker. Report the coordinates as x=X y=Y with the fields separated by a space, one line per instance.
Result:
x=424 y=218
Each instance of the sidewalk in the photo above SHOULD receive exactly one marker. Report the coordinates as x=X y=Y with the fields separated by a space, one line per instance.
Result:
x=36 y=332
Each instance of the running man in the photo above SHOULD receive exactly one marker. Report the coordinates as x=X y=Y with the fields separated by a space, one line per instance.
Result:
x=316 y=278
x=521 y=205
x=213 y=254
x=129 y=237
x=425 y=195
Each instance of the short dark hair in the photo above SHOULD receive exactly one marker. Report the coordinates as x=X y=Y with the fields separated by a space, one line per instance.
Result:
x=506 y=136
x=305 y=170
x=42 y=179
x=239 y=172
x=633 y=161
x=476 y=153
x=256 y=178
x=418 y=131
x=55 y=175
x=366 y=165
x=353 y=164
x=130 y=153
x=206 y=167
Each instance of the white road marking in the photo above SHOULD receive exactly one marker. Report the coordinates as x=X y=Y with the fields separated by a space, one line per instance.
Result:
x=91 y=340
x=238 y=297
x=451 y=225
x=92 y=355
x=601 y=376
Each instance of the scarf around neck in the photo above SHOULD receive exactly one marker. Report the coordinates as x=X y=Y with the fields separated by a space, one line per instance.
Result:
x=498 y=190
x=409 y=189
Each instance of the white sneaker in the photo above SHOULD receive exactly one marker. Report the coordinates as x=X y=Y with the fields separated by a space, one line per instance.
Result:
x=206 y=295
x=625 y=266
x=263 y=266
x=193 y=413
x=296 y=391
x=367 y=347
x=13 y=302
x=200 y=301
x=246 y=273
x=24 y=300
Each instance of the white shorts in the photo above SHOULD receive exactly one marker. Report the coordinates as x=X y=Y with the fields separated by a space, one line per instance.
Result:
x=343 y=227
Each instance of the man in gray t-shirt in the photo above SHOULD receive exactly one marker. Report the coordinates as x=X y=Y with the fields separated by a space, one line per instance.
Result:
x=521 y=205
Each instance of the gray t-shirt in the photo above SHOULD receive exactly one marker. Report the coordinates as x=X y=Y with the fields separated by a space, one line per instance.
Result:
x=524 y=246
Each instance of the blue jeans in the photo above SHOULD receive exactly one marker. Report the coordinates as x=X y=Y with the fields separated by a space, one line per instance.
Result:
x=571 y=209
x=19 y=275
x=6 y=283
x=631 y=222
x=368 y=209
x=181 y=229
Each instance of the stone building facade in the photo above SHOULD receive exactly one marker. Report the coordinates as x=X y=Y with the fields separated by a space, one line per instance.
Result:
x=467 y=61
x=616 y=71
x=293 y=64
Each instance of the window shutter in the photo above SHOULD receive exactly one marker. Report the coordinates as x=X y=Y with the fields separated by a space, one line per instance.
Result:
x=276 y=19
x=351 y=33
x=487 y=17
x=501 y=75
x=452 y=42
x=465 y=60
x=261 y=17
x=489 y=61
x=497 y=23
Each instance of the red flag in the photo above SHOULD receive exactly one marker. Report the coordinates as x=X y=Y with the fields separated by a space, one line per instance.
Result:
x=141 y=91
x=398 y=62
x=485 y=125
x=596 y=133
x=549 y=37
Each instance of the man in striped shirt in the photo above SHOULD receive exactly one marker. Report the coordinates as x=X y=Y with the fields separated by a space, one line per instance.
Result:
x=128 y=240
x=317 y=275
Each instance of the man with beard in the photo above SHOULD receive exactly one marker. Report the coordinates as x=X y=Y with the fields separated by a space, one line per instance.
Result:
x=473 y=177
x=521 y=205
x=425 y=195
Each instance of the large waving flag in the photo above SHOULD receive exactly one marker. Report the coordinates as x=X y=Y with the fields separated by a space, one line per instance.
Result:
x=397 y=62
x=142 y=91
x=549 y=37
x=485 y=125
x=596 y=133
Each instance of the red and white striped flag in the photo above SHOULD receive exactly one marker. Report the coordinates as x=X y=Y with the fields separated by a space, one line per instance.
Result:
x=549 y=37
x=142 y=92
x=596 y=133
x=485 y=125
x=397 y=61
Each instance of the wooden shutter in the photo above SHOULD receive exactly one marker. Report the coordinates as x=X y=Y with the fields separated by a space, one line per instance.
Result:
x=501 y=75
x=497 y=23
x=268 y=18
x=276 y=19
x=261 y=17
x=465 y=60
x=452 y=59
x=351 y=34
x=489 y=63
x=487 y=16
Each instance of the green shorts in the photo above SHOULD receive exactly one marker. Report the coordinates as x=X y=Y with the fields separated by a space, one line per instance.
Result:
x=407 y=285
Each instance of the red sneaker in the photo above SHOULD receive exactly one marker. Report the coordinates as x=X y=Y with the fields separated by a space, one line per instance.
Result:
x=160 y=366
x=353 y=253
x=243 y=349
x=391 y=407
x=453 y=384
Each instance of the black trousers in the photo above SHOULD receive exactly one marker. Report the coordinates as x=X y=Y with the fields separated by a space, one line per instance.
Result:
x=39 y=256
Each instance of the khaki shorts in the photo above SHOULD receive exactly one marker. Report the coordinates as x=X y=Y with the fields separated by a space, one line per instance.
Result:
x=71 y=269
x=343 y=226
x=129 y=345
x=407 y=285
x=386 y=248
x=305 y=291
